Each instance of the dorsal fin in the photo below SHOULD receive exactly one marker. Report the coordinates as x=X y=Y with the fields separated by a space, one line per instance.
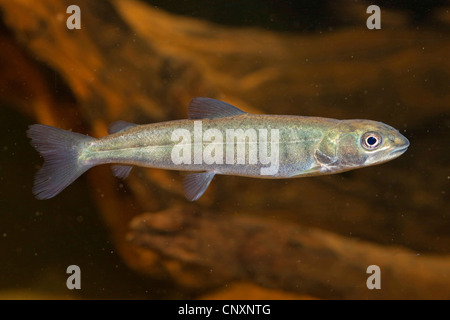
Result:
x=120 y=125
x=207 y=108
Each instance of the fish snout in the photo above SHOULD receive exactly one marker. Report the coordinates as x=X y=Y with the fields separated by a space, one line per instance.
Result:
x=401 y=144
x=401 y=141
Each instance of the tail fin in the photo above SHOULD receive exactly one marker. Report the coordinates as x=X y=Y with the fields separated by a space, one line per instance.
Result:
x=60 y=149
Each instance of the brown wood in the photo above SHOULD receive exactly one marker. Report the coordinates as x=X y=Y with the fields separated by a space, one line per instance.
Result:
x=207 y=250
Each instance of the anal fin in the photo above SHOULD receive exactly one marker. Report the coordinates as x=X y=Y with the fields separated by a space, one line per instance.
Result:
x=195 y=184
x=120 y=171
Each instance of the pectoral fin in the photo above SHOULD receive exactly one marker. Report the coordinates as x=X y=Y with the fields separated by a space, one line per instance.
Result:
x=195 y=184
x=309 y=172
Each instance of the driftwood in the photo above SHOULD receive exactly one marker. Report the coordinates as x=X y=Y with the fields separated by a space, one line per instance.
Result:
x=132 y=62
x=204 y=250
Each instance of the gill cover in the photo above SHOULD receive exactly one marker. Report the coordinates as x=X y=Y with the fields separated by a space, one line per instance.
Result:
x=340 y=148
x=326 y=151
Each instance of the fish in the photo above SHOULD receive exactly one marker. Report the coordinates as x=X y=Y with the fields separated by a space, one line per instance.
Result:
x=216 y=139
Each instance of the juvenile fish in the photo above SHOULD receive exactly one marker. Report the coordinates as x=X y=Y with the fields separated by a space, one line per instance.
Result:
x=218 y=138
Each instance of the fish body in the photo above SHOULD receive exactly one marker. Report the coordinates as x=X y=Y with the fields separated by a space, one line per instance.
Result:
x=151 y=145
x=218 y=138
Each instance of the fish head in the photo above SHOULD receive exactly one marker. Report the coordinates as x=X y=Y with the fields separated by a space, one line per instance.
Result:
x=360 y=143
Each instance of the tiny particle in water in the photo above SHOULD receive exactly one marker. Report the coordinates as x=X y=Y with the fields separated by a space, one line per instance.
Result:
x=5 y=235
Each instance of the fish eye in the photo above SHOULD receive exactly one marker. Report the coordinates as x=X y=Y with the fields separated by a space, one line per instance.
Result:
x=371 y=140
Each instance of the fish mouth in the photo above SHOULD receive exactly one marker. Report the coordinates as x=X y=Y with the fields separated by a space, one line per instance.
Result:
x=398 y=151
